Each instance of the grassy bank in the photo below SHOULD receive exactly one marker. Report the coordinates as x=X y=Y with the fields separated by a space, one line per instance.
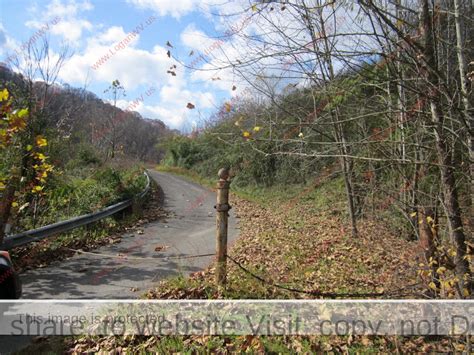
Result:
x=80 y=191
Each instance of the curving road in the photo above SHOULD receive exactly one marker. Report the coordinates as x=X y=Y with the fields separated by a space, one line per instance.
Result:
x=190 y=230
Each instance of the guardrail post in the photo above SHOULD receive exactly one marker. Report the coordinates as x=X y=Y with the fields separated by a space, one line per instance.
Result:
x=222 y=207
x=137 y=209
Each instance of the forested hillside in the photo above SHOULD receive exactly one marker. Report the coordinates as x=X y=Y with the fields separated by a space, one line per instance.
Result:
x=79 y=117
x=65 y=151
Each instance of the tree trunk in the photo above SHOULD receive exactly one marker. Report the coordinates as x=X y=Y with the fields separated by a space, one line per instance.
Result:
x=448 y=179
x=427 y=224
x=5 y=207
x=340 y=135
x=468 y=116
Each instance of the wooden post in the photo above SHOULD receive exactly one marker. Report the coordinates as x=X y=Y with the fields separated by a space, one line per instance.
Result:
x=222 y=207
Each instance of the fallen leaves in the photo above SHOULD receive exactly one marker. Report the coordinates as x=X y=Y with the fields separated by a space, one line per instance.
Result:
x=291 y=244
x=161 y=247
x=295 y=246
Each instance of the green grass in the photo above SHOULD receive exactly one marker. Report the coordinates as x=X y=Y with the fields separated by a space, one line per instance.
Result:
x=263 y=195
x=326 y=195
x=76 y=192
x=267 y=196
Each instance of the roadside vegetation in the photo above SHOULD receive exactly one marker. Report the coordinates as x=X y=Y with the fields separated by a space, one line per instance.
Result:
x=64 y=153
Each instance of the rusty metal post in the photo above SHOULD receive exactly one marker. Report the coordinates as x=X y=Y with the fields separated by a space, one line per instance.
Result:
x=222 y=207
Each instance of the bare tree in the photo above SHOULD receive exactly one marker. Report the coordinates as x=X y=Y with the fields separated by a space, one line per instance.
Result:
x=467 y=109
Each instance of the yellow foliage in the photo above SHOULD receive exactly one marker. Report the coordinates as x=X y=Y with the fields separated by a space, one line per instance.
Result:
x=4 y=95
x=47 y=167
x=22 y=113
x=37 y=189
x=41 y=141
x=40 y=156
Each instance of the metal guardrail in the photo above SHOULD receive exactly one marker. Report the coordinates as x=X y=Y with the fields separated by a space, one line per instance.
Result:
x=60 y=227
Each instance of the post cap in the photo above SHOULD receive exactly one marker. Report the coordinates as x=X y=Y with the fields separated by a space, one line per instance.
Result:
x=223 y=174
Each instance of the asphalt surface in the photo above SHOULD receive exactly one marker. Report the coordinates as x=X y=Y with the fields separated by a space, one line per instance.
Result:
x=189 y=231
x=145 y=259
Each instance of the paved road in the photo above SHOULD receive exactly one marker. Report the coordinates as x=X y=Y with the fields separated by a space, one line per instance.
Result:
x=190 y=231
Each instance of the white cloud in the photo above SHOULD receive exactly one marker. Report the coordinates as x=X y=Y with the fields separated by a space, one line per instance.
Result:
x=172 y=117
x=70 y=25
x=127 y=63
x=136 y=68
x=175 y=8
x=194 y=38
x=172 y=107
x=110 y=36
x=9 y=46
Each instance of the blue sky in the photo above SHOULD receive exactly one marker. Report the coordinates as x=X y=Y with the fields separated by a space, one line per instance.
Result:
x=93 y=29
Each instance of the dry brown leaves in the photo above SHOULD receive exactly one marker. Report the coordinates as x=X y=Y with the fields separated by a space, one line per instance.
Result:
x=306 y=250
x=313 y=252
